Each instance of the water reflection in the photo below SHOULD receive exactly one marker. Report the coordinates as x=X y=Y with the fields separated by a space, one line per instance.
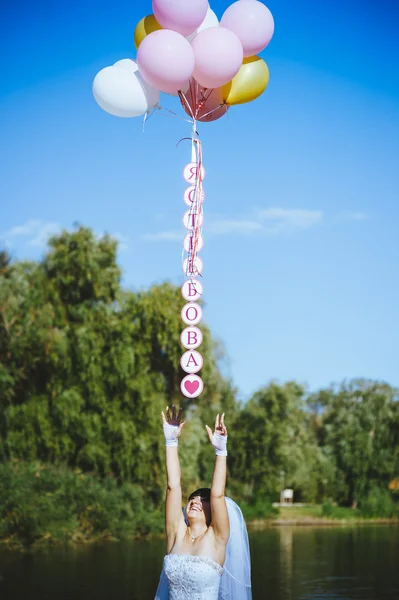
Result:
x=288 y=563
x=306 y=563
x=286 y=559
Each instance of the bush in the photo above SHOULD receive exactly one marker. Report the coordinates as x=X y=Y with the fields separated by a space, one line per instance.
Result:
x=379 y=504
x=327 y=509
x=259 y=510
x=43 y=504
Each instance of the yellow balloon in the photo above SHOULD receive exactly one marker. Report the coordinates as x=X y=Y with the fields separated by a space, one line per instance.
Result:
x=146 y=26
x=249 y=83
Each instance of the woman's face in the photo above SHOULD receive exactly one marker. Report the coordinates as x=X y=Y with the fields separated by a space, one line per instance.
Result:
x=199 y=508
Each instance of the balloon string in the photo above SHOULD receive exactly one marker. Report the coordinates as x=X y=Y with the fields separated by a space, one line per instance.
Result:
x=198 y=100
x=196 y=210
x=213 y=110
x=196 y=91
x=186 y=102
x=173 y=115
x=149 y=114
x=200 y=104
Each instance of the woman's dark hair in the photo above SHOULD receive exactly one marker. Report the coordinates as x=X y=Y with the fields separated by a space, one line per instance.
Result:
x=205 y=494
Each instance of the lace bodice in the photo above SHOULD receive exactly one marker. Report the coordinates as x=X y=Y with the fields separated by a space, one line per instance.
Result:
x=192 y=577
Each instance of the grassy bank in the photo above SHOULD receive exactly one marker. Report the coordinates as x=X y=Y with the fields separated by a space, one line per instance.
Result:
x=325 y=514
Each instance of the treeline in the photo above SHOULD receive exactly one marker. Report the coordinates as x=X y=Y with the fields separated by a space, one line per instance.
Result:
x=86 y=368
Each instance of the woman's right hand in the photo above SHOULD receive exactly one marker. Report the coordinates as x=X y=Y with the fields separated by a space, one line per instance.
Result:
x=172 y=426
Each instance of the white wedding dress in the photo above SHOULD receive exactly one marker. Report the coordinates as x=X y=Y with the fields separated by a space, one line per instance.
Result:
x=187 y=577
x=192 y=577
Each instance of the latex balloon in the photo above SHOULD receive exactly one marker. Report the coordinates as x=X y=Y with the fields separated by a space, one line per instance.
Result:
x=176 y=94
x=253 y=24
x=183 y=16
x=146 y=26
x=210 y=20
x=166 y=60
x=249 y=83
x=203 y=104
x=128 y=64
x=218 y=56
x=151 y=93
x=120 y=92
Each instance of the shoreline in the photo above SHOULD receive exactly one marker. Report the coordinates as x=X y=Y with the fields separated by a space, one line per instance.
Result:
x=46 y=544
x=259 y=524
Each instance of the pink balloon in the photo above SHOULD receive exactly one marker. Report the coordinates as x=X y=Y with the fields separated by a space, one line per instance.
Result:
x=253 y=24
x=183 y=16
x=166 y=60
x=218 y=56
x=205 y=105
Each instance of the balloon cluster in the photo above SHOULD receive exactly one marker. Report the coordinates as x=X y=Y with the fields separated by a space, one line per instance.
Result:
x=184 y=51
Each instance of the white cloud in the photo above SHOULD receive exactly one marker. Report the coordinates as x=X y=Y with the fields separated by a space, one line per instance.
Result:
x=43 y=233
x=36 y=233
x=28 y=228
x=33 y=232
x=123 y=241
x=227 y=226
x=271 y=221
x=281 y=220
x=357 y=216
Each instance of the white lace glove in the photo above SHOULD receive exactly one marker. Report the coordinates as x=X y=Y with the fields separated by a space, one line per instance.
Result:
x=219 y=442
x=171 y=433
x=172 y=426
x=219 y=438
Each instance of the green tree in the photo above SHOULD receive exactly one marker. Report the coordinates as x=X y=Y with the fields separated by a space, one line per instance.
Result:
x=86 y=367
x=261 y=438
x=360 y=433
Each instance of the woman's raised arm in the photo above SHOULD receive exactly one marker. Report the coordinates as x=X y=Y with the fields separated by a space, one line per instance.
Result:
x=220 y=517
x=174 y=519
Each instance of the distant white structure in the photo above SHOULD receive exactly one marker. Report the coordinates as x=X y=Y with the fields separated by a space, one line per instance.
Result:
x=287 y=496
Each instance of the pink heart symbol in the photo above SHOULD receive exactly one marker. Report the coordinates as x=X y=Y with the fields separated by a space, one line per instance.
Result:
x=191 y=386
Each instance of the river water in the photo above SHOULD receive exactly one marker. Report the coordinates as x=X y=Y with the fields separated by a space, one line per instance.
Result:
x=288 y=563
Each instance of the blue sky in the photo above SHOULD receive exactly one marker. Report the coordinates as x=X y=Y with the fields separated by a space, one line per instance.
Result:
x=302 y=190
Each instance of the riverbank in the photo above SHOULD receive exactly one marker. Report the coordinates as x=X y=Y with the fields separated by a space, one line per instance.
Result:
x=305 y=517
x=43 y=506
x=314 y=515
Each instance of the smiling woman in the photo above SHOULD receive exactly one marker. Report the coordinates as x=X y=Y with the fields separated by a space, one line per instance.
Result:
x=199 y=501
x=207 y=544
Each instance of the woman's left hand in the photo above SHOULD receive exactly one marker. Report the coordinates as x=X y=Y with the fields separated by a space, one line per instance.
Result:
x=218 y=439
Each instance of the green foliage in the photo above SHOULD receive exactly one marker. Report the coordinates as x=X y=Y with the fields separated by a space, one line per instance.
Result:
x=327 y=508
x=260 y=437
x=86 y=367
x=379 y=504
x=342 y=513
x=42 y=504
x=5 y=261
x=359 y=432
x=259 y=510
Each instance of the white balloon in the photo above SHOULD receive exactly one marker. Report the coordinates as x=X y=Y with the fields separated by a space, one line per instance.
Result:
x=152 y=94
x=122 y=92
x=128 y=64
x=210 y=20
